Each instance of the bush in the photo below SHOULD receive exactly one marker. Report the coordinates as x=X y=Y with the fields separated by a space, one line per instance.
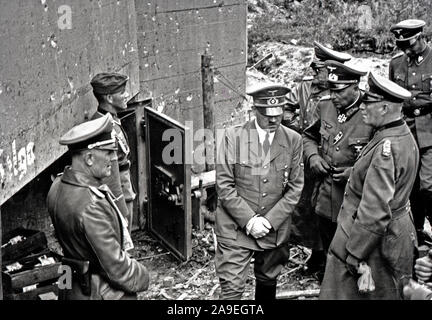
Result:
x=344 y=24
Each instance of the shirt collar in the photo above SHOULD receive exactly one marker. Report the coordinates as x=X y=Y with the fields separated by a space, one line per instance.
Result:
x=262 y=133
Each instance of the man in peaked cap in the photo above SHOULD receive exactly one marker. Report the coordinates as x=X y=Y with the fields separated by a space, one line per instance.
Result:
x=304 y=97
x=110 y=91
x=412 y=69
x=88 y=224
x=374 y=225
x=259 y=177
x=333 y=141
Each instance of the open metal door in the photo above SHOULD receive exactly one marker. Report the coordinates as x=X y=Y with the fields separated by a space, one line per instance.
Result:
x=168 y=182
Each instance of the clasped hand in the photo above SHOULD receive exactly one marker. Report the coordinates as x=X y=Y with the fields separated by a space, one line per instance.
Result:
x=258 y=227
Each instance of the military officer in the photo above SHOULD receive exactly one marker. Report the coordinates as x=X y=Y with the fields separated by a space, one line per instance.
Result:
x=412 y=69
x=259 y=178
x=375 y=223
x=112 y=96
x=88 y=224
x=305 y=97
x=333 y=141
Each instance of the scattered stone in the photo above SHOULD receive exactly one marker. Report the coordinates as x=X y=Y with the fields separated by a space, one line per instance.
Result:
x=168 y=282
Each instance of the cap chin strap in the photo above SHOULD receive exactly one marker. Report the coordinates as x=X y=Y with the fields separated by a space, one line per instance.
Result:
x=100 y=143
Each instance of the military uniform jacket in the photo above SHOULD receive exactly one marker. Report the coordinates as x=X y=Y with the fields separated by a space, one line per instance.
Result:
x=88 y=227
x=120 y=182
x=306 y=97
x=247 y=185
x=375 y=214
x=339 y=144
x=416 y=77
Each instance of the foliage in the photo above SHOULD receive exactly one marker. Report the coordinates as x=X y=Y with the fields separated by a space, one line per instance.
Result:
x=344 y=24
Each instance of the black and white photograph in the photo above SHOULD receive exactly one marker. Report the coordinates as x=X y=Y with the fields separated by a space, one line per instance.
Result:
x=218 y=156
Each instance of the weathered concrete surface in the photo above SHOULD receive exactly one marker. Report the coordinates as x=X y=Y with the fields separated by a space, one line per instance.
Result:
x=45 y=69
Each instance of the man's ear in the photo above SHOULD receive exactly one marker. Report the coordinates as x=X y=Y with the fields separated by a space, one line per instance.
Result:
x=385 y=109
x=109 y=98
x=88 y=158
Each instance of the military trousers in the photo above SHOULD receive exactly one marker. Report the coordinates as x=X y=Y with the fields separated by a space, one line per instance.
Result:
x=327 y=229
x=233 y=262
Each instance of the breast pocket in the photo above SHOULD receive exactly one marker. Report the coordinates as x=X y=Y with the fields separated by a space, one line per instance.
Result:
x=325 y=137
x=356 y=145
x=400 y=79
x=427 y=82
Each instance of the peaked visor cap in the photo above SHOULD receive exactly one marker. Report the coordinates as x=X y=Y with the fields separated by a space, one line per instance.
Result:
x=93 y=134
x=269 y=98
x=383 y=89
x=343 y=73
x=407 y=29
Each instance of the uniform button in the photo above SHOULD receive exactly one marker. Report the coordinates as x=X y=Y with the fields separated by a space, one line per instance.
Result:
x=337 y=148
x=307 y=110
x=265 y=167
x=348 y=180
x=264 y=195
x=414 y=98
x=413 y=85
x=414 y=73
x=305 y=122
x=358 y=141
x=265 y=180
x=262 y=208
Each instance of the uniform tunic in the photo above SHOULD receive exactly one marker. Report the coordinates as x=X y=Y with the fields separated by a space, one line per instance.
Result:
x=375 y=223
x=416 y=76
x=88 y=227
x=305 y=96
x=339 y=145
x=247 y=185
x=120 y=181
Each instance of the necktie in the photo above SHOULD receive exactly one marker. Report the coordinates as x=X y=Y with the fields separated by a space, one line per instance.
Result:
x=266 y=143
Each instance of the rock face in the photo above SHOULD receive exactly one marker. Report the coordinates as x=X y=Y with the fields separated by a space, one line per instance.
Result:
x=290 y=63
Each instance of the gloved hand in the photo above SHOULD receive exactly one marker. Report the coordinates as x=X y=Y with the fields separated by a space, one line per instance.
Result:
x=352 y=264
x=258 y=227
x=318 y=165
x=365 y=283
x=415 y=291
x=341 y=174
x=423 y=267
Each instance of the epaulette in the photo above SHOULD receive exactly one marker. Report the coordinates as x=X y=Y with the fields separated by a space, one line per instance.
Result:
x=326 y=97
x=97 y=192
x=386 y=149
x=399 y=54
x=308 y=78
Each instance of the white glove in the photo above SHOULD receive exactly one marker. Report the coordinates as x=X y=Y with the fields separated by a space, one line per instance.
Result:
x=258 y=227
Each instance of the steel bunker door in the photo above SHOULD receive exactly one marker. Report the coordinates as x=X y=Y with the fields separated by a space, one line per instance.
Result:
x=168 y=183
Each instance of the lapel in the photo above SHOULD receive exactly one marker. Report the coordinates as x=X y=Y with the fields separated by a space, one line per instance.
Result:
x=250 y=148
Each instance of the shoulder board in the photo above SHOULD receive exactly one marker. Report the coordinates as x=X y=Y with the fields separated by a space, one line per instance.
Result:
x=326 y=97
x=308 y=78
x=386 y=149
x=400 y=54
x=97 y=192
x=59 y=174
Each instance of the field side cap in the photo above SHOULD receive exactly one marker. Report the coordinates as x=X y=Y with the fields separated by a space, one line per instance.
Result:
x=108 y=83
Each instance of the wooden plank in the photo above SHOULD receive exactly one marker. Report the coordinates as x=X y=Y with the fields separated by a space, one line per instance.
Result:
x=208 y=179
x=33 y=294
x=297 y=294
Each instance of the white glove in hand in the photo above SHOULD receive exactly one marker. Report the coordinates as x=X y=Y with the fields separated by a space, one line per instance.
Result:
x=258 y=227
